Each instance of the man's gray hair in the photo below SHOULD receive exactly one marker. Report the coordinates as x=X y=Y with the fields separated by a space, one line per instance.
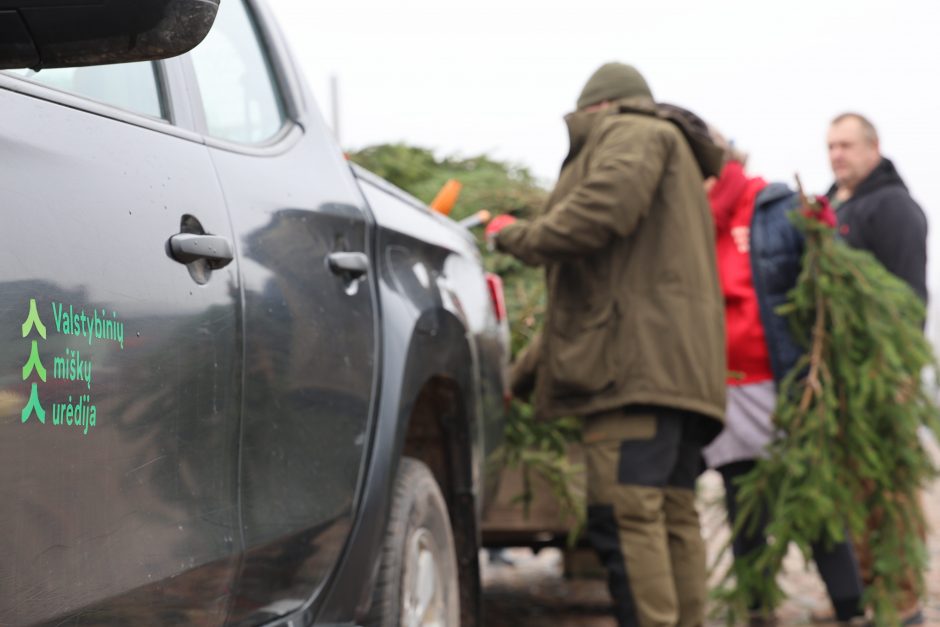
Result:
x=868 y=129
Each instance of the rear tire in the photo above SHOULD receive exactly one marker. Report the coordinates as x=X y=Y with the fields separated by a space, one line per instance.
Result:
x=417 y=584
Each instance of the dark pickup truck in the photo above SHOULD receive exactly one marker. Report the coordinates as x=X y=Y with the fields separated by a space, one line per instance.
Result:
x=243 y=382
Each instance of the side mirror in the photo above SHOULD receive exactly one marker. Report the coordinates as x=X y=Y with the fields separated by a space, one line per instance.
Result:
x=41 y=34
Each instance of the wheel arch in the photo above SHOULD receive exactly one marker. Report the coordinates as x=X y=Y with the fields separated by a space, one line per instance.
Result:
x=427 y=409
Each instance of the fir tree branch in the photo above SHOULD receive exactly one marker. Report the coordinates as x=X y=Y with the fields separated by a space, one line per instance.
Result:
x=857 y=466
x=813 y=387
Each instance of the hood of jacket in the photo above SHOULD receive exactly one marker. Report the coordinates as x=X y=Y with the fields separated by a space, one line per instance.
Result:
x=884 y=175
x=708 y=156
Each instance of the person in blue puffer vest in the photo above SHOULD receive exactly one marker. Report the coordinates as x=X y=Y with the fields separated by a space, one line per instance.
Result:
x=776 y=254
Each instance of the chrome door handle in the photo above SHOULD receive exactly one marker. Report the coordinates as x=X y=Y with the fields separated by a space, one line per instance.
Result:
x=349 y=265
x=189 y=247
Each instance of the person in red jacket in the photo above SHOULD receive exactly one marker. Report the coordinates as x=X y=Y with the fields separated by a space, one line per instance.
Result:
x=751 y=390
x=753 y=358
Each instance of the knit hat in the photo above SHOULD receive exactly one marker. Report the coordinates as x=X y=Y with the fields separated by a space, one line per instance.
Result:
x=613 y=81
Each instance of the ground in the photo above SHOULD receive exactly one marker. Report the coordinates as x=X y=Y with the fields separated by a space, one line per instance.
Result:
x=533 y=591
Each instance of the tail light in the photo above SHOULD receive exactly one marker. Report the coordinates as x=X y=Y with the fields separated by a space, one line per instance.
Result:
x=498 y=298
x=496 y=295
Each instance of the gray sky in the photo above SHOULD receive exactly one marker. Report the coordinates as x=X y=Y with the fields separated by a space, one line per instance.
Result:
x=496 y=76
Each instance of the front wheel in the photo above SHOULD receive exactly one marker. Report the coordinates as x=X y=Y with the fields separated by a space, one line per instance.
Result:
x=417 y=585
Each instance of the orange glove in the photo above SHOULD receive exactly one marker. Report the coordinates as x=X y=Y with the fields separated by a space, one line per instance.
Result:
x=497 y=224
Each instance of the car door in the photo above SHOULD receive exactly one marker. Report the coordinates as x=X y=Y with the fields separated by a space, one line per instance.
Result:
x=302 y=232
x=121 y=371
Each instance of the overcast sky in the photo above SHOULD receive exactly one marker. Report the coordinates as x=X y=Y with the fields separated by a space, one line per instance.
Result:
x=497 y=76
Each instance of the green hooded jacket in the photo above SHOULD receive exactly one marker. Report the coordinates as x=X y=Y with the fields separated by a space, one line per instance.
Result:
x=635 y=314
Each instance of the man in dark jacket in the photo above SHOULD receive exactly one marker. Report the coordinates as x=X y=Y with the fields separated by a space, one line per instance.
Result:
x=633 y=338
x=876 y=213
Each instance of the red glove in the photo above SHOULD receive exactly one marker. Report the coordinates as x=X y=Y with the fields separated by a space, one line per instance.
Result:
x=497 y=224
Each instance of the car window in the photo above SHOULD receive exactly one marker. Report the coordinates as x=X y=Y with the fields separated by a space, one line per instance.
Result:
x=239 y=94
x=130 y=86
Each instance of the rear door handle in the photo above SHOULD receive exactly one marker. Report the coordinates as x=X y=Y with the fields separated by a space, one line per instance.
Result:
x=189 y=247
x=350 y=265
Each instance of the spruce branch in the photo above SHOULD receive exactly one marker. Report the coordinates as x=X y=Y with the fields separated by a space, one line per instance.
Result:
x=848 y=462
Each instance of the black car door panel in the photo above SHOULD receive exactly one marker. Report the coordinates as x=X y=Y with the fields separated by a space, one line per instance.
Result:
x=121 y=375
x=302 y=236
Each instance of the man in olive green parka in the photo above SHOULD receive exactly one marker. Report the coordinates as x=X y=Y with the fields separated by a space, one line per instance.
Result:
x=633 y=339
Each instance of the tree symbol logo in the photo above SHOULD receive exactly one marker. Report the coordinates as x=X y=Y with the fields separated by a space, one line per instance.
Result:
x=34 y=364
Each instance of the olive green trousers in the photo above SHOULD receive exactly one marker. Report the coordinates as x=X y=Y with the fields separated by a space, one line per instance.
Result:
x=642 y=464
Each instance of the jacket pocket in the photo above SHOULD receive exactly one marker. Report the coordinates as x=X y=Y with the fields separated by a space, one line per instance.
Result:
x=583 y=356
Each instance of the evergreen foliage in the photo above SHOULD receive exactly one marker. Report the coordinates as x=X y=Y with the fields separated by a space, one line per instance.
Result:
x=487 y=183
x=849 y=414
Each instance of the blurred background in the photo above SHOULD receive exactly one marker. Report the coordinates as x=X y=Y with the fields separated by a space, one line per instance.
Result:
x=495 y=77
